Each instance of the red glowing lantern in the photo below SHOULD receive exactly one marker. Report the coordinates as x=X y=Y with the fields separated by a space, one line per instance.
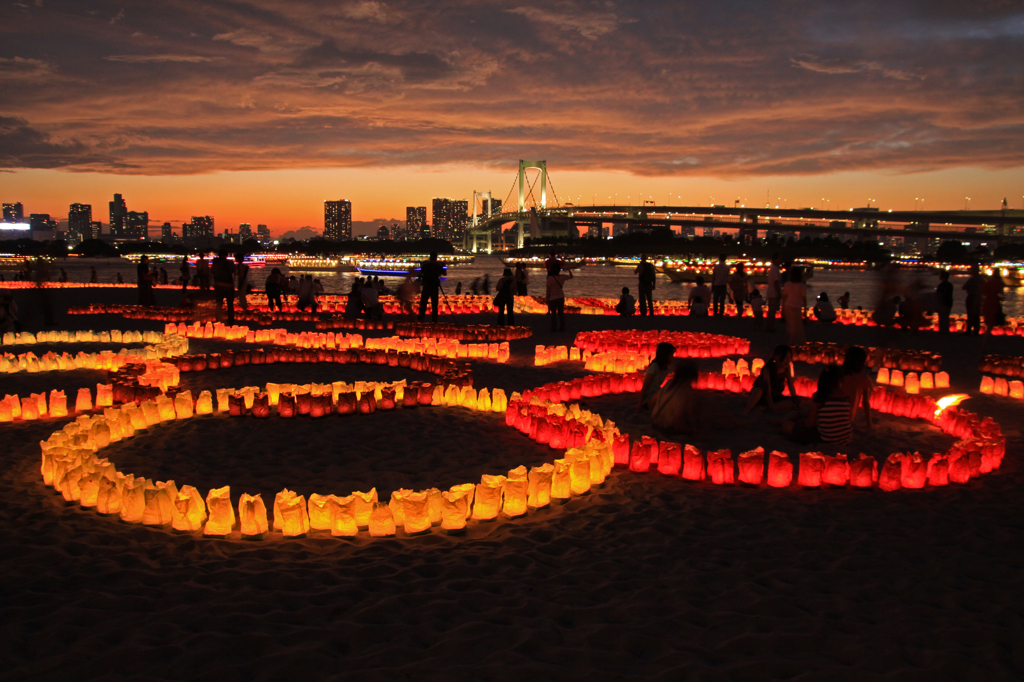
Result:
x=780 y=470
x=938 y=470
x=913 y=471
x=670 y=459
x=286 y=406
x=620 y=449
x=837 y=470
x=721 y=469
x=863 y=471
x=693 y=464
x=751 y=466
x=640 y=458
x=812 y=465
x=889 y=478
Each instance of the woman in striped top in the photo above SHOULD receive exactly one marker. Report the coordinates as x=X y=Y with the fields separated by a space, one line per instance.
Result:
x=829 y=420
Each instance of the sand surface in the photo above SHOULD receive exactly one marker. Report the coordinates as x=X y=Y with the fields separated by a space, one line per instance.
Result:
x=644 y=578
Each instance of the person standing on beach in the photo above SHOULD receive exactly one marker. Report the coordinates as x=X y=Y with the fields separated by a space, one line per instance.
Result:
x=553 y=265
x=699 y=298
x=719 y=286
x=556 y=300
x=647 y=280
x=520 y=280
x=183 y=269
x=857 y=384
x=505 y=299
x=944 y=292
x=739 y=283
x=774 y=293
x=243 y=282
x=430 y=279
x=974 y=287
x=993 y=303
x=144 y=281
x=203 y=273
x=93 y=278
x=224 y=284
x=272 y=285
x=794 y=300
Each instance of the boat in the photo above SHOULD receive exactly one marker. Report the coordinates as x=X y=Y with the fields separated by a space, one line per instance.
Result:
x=319 y=264
x=1012 y=274
x=392 y=267
x=688 y=270
x=537 y=262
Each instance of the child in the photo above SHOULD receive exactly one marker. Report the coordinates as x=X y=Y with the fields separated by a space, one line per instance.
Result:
x=675 y=406
x=757 y=306
x=627 y=304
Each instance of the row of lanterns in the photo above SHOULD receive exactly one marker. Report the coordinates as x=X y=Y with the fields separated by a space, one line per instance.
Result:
x=912 y=382
x=687 y=344
x=1002 y=365
x=81 y=336
x=818 y=353
x=1001 y=387
x=446 y=348
x=358 y=323
x=461 y=332
x=167 y=346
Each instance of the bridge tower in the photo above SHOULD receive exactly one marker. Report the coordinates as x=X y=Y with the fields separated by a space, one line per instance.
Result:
x=476 y=239
x=542 y=166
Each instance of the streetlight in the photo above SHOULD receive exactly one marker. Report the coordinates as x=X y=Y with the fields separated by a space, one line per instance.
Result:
x=967 y=203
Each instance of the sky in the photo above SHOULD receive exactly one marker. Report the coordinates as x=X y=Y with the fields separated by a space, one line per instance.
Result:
x=259 y=110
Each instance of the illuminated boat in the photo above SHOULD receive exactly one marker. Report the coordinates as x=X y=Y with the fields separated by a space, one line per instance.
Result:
x=538 y=261
x=319 y=264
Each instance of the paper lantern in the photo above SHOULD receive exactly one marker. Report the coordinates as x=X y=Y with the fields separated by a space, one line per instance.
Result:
x=720 y=467
x=252 y=516
x=836 y=471
x=751 y=466
x=363 y=505
x=321 y=511
x=223 y=399
x=343 y=523
x=286 y=407
x=1002 y=387
x=896 y=378
x=433 y=505
x=561 y=484
x=133 y=500
x=261 y=406
x=165 y=408
x=693 y=464
x=221 y=515
x=160 y=501
x=959 y=468
x=454 y=509
x=938 y=470
x=416 y=512
x=579 y=475
x=620 y=449
x=382 y=524
x=488 y=497
x=397 y=504
x=59 y=404
x=29 y=409
x=290 y=517
x=812 y=466
x=516 y=492
x=183 y=405
x=640 y=457
x=927 y=381
x=83 y=403
x=204 y=403
x=1016 y=390
x=780 y=470
x=889 y=478
x=913 y=471
x=88 y=487
x=104 y=395
x=942 y=380
x=863 y=471
x=912 y=384
x=539 y=489
x=108 y=495
x=188 y=513
x=670 y=459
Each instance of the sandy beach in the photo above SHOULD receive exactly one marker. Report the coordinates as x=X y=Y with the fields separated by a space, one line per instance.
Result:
x=647 y=577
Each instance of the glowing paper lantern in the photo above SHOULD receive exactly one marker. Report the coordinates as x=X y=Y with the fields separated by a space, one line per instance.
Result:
x=221 y=518
x=693 y=464
x=780 y=470
x=751 y=466
x=160 y=501
x=561 y=487
x=1002 y=387
x=188 y=513
x=889 y=479
x=516 y=492
x=488 y=498
x=812 y=466
x=343 y=524
x=720 y=467
x=397 y=504
x=83 y=403
x=579 y=475
x=29 y=409
x=454 y=509
x=321 y=511
x=1016 y=390
x=204 y=403
x=927 y=381
x=183 y=405
x=837 y=470
x=539 y=490
x=913 y=471
x=108 y=496
x=896 y=378
x=938 y=470
x=912 y=384
x=417 y=513
x=150 y=413
x=382 y=524
x=620 y=449
x=290 y=517
x=863 y=471
x=640 y=457
x=165 y=408
x=223 y=399
x=104 y=395
x=252 y=516
x=942 y=380
x=883 y=376
x=133 y=500
x=363 y=505
x=59 y=404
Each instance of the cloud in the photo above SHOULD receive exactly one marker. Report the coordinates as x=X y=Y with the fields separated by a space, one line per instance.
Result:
x=157 y=58
x=812 y=63
x=588 y=25
x=18 y=68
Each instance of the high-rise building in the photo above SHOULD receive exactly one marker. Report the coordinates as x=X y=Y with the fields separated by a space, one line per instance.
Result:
x=14 y=213
x=415 y=221
x=383 y=233
x=118 y=217
x=201 y=227
x=79 y=221
x=41 y=222
x=449 y=218
x=263 y=233
x=338 y=220
x=136 y=225
x=244 y=231
x=166 y=233
x=95 y=229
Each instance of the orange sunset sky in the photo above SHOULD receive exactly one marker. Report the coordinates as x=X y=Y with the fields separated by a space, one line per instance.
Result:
x=258 y=111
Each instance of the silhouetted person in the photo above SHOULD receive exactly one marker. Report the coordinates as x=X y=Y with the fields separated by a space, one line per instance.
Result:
x=505 y=298
x=974 y=286
x=944 y=292
x=647 y=279
x=273 y=285
x=556 y=300
x=430 y=279
x=144 y=281
x=183 y=269
x=627 y=304
x=224 y=283
x=719 y=286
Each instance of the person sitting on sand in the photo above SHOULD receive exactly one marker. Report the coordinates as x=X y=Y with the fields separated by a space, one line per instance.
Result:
x=823 y=309
x=776 y=374
x=700 y=297
x=675 y=406
x=626 y=305
x=856 y=383
x=655 y=374
x=829 y=419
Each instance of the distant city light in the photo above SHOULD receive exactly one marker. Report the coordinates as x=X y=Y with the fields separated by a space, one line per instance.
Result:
x=19 y=227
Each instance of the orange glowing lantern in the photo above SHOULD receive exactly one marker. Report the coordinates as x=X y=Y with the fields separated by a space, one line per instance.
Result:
x=938 y=470
x=165 y=408
x=108 y=495
x=188 y=513
x=29 y=409
x=83 y=403
x=941 y=380
x=104 y=395
x=780 y=470
x=640 y=457
x=204 y=403
x=516 y=492
x=290 y=515
x=751 y=466
x=221 y=518
x=362 y=506
x=883 y=376
x=539 y=490
x=455 y=509
x=59 y=404
x=160 y=501
x=382 y=523
x=1002 y=387
x=693 y=464
x=343 y=523
x=912 y=384
x=488 y=498
x=397 y=504
x=721 y=470
x=321 y=511
x=416 y=511
x=913 y=471
x=252 y=516
x=183 y=405
x=927 y=381
x=812 y=466
x=889 y=478
x=837 y=470
x=133 y=500
x=561 y=486
x=579 y=475
x=896 y=378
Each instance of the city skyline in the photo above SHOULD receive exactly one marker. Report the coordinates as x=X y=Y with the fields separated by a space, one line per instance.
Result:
x=278 y=106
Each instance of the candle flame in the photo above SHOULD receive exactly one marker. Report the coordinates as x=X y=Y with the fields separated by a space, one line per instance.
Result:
x=949 y=401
